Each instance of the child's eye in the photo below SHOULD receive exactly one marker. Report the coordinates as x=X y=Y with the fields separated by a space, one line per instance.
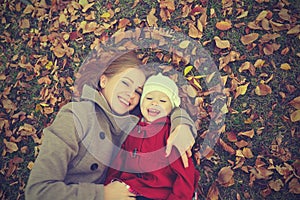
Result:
x=148 y=98
x=163 y=101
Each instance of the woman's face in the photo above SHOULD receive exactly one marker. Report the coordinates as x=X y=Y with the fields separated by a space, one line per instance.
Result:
x=122 y=91
x=155 y=105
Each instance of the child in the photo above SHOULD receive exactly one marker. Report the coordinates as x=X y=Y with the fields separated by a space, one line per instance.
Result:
x=141 y=163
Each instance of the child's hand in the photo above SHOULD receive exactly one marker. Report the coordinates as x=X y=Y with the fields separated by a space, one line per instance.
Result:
x=117 y=191
x=182 y=138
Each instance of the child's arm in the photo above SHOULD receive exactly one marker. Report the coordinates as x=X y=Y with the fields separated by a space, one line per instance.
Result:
x=182 y=135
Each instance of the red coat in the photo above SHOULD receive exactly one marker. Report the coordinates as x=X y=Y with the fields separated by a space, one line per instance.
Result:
x=143 y=166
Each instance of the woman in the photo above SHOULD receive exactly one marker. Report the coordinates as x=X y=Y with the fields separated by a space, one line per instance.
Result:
x=80 y=143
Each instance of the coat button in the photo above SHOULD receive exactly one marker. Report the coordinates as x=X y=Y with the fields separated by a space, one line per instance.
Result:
x=94 y=166
x=102 y=135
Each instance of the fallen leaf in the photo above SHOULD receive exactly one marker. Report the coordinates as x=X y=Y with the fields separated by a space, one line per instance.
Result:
x=247 y=66
x=261 y=15
x=285 y=66
x=249 y=133
x=213 y=192
x=295 y=102
x=224 y=25
x=259 y=63
x=294 y=30
x=276 y=185
x=247 y=152
x=294 y=186
x=225 y=177
x=151 y=19
x=222 y=44
x=244 y=14
x=263 y=90
x=10 y=146
x=194 y=32
x=184 y=44
x=250 y=38
x=241 y=90
x=295 y=116
x=226 y=147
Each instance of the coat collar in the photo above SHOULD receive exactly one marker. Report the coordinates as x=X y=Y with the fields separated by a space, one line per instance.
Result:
x=151 y=129
x=119 y=124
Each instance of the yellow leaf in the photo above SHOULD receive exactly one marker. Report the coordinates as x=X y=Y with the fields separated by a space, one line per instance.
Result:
x=248 y=39
x=184 y=44
x=222 y=44
x=276 y=185
x=244 y=14
x=259 y=63
x=151 y=19
x=295 y=116
x=83 y=2
x=197 y=84
x=187 y=70
x=261 y=15
x=285 y=66
x=30 y=165
x=241 y=90
x=194 y=32
x=62 y=18
x=10 y=146
x=247 y=152
x=49 y=65
x=105 y=15
x=294 y=30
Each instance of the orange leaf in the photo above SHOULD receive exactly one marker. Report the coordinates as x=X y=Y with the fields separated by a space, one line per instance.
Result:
x=123 y=23
x=249 y=134
x=222 y=44
x=224 y=25
x=231 y=136
x=241 y=144
x=247 y=66
x=263 y=90
x=225 y=177
x=226 y=147
x=250 y=38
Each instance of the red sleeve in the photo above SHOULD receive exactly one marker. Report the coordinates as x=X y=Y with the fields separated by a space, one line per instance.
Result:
x=184 y=185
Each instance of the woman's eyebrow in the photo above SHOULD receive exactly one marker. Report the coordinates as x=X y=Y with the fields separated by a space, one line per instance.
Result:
x=129 y=79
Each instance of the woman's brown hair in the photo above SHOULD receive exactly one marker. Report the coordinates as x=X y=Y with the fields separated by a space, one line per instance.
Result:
x=107 y=63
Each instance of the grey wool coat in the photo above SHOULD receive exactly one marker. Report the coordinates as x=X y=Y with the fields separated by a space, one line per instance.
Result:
x=79 y=145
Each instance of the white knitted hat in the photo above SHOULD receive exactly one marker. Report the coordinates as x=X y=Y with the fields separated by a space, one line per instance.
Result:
x=163 y=84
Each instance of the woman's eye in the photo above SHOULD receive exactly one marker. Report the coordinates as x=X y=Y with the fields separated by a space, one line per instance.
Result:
x=125 y=83
x=138 y=92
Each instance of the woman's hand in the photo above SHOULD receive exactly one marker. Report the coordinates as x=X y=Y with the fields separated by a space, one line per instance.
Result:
x=182 y=138
x=117 y=191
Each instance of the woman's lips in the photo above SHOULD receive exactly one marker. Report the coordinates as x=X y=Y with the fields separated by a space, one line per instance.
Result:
x=124 y=101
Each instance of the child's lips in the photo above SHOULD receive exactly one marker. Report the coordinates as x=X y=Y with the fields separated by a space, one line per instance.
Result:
x=153 y=112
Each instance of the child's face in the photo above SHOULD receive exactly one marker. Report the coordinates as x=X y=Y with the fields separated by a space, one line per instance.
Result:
x=155 y=105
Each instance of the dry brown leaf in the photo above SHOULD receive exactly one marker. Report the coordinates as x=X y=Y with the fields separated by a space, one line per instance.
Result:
x=241 y=144
x=224 y=25
x=295 y=102
x=213 y=192
x=225 y=177
x=222 y=44
x=265 y=24
x=249 y=133
x=226 y=147
x=259 y=63
x=276 y=185
x=231 y=136
x=247 y=66
x=278 y=26
x=10 y=146
x=283 y=14
x=263 y=89
x=247 y=152
x=250 y=38
x=294 y=186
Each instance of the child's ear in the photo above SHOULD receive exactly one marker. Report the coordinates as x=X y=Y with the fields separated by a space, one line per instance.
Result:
x=103 y=81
